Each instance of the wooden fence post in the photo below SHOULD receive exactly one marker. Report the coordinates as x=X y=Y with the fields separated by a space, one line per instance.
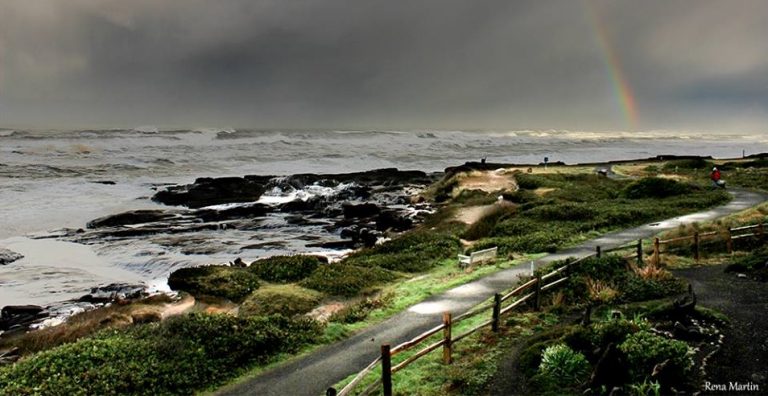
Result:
x=656 y=252
x=696 y=246
x=537 y=296
x=447 y=347
x=386 y=370
x=760 y=231
x=598 y=251
x=729 y=242
x=496 y=312
x=639 y=251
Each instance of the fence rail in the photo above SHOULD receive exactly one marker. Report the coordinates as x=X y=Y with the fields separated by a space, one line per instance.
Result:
x=534 y=288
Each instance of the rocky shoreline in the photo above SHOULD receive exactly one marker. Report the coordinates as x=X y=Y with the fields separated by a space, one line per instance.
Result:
x=345 y=211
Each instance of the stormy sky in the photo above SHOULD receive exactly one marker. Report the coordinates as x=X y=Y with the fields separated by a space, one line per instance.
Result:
x=499 y=64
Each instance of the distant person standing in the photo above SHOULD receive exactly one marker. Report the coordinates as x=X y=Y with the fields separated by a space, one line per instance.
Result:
x=716 y=178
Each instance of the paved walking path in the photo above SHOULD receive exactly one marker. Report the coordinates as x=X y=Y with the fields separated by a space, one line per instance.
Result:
x=311 y=375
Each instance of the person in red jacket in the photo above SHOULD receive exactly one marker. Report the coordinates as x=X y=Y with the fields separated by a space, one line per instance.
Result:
x=716 y=178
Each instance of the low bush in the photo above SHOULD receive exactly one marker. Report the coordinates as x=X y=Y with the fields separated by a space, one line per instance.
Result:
x=180 y=356
x=288 y=300
x=346 y=280
x=414 y=251
x=285 y=269
x=655 y=187
x=638 y=289
x=643 y=350
x=688 y=164
x=232 y=283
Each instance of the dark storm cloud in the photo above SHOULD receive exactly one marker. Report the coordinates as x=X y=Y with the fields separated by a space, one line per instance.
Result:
x=388 y=64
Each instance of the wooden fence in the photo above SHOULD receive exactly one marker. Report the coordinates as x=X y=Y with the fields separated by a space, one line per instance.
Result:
x=531 y=290
x=728 y=235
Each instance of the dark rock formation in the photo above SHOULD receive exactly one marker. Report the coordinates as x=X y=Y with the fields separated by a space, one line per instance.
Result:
x=238 y=212
x=8 y=256
x=13 y=316
x=214 y=191
x=393 y=220
x=132 y=217
x=361 y=210
x=113 y=292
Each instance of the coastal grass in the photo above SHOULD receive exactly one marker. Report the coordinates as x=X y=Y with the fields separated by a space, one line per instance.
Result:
x=580 y=207
x=178 y=356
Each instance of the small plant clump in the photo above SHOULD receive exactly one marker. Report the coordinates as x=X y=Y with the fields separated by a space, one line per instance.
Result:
x=564 y=366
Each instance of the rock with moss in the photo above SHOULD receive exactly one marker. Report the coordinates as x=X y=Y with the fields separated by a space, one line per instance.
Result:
x=288 y=300
x=231 y=283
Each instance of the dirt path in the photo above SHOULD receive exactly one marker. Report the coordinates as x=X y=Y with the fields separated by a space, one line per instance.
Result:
x=314 y=373
x=744 y=354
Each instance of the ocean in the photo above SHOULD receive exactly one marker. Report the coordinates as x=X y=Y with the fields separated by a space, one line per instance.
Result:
x=54 y=180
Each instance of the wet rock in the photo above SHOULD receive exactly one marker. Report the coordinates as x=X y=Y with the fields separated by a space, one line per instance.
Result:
x=336 y=245
x=131 y=218
x=299 y=205
x=361 y=210
x=9 y=356
x=13 y=316
x=9 y=256
x=113 y=292
x=392 y=220
x=214 y=191
x=369 y=237
x=238 y=212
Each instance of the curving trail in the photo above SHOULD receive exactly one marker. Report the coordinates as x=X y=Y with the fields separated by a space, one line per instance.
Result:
x=312 y=374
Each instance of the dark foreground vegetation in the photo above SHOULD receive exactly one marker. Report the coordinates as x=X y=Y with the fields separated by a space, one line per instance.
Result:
x=549 y=211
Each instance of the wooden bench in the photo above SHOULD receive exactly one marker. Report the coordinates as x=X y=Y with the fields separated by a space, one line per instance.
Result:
x=478 y=257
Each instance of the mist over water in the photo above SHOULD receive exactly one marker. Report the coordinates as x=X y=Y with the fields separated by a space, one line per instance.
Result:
x=61 y=179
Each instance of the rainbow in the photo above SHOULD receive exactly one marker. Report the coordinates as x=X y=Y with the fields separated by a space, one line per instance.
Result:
x=621 y=86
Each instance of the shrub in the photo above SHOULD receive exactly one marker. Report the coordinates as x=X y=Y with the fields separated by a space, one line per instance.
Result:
x=643 y=350
x=414 y=251
x=655 y=187
x=285 y=268
x=529 y=181
x=180 y=356
x=346 y=280
x=639 y=289
x=563 y=365
x=288 y=300
x=219 y=281
x=688 y=163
